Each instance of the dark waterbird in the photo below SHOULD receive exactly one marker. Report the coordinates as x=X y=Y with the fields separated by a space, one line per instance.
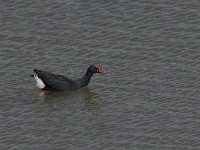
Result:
x=49 y=81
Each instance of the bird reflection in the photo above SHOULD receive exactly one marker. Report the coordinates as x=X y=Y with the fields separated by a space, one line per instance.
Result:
x=90 y=99
x=49 y=95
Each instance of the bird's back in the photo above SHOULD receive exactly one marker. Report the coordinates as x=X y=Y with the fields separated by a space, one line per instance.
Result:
x=55 y=82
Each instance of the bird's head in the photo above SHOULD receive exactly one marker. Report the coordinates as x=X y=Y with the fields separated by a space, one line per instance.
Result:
x=95 y=69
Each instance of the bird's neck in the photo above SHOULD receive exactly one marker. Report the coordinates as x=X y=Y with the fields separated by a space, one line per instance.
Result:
x=86 y=79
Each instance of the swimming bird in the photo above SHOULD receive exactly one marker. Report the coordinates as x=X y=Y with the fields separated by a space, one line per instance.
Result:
x=49 y=81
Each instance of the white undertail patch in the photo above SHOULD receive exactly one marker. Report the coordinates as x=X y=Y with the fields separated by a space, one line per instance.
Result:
x=39 y=82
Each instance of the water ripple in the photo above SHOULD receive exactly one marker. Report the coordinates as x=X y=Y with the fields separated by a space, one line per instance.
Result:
x=148 y=97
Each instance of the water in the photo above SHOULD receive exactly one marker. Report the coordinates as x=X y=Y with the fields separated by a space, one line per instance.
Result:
x=148 y=98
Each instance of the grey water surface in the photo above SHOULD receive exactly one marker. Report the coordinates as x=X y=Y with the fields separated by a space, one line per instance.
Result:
x=148 y=99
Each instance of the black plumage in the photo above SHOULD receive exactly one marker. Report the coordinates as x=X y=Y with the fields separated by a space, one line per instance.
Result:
x=60 y=82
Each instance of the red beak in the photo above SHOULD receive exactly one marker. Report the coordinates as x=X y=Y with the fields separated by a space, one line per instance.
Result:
x=99 y=69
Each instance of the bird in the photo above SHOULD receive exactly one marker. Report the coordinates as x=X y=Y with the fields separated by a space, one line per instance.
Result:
x=53 y=82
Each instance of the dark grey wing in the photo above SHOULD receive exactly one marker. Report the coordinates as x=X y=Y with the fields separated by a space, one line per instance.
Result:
x=53 y=81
